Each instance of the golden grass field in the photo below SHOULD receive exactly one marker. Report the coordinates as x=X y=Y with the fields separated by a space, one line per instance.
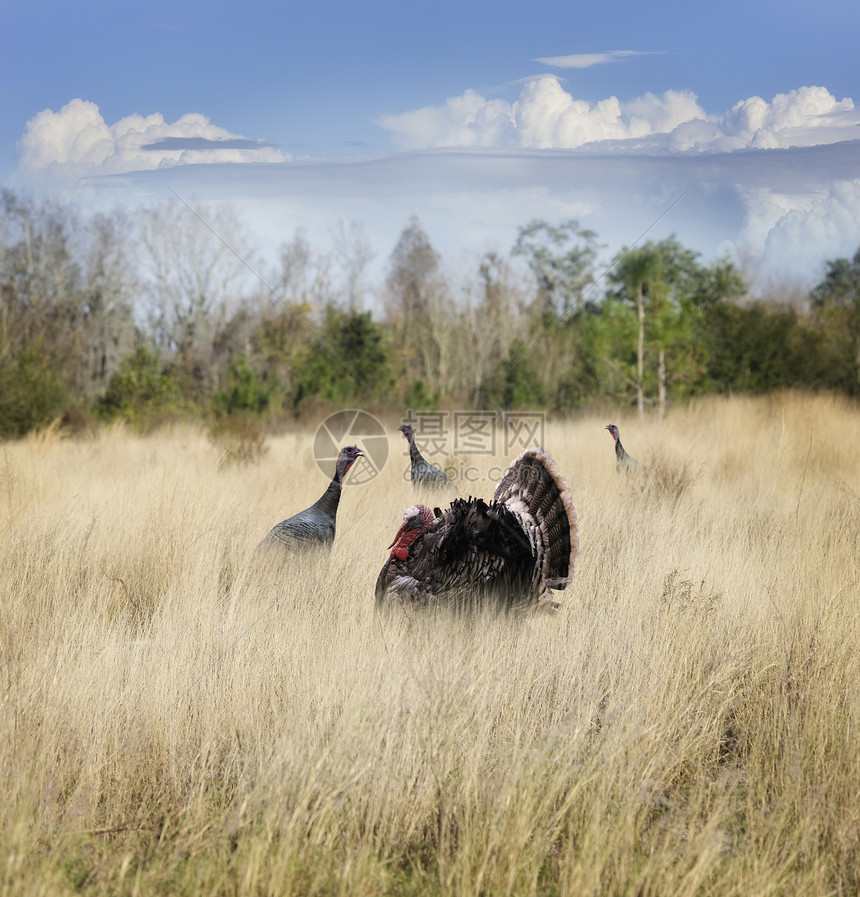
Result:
x=173 y=721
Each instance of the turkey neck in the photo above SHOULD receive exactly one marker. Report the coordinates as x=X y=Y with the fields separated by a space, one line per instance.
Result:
x=414 y=454
x=328 y=501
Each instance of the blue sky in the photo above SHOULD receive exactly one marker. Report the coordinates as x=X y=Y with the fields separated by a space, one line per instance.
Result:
x=735 y=127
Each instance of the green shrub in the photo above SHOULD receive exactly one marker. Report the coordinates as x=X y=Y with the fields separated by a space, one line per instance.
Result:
x=142 y=392
x=420 y=397
x=30 y=393
x=237 y=426
x=245 y=392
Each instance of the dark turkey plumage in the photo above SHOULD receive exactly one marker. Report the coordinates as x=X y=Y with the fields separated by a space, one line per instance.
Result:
x=623 y=461
x=510 y=551
x=314 y=528
x=423 y=473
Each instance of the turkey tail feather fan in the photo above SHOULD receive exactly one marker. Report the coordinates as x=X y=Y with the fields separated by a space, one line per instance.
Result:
x=511 y=551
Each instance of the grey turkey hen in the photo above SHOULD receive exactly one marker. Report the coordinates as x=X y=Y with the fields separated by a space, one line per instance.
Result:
x=623 y=461
x=314 y=528
x=422 y=472
x=509 y=552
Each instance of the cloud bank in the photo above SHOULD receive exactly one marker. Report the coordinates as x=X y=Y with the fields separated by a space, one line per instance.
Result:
x=76 y=142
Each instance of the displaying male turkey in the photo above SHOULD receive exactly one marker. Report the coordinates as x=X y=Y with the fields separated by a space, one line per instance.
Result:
x=509 y=552
x=423 y=473
x=314 y=527
x=623 y=461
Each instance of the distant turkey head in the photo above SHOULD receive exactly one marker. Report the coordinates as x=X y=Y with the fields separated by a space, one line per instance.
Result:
x=348 y=456
x=613 y=430
x=417 y=520
x=406 y=430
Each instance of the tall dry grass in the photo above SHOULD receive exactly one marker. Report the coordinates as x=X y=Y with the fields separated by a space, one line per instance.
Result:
x=175 y=721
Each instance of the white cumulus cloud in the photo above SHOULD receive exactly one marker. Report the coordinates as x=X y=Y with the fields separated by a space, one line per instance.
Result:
x=546 y=116
x=77 y=142
x=467 y=120
x=805 y=117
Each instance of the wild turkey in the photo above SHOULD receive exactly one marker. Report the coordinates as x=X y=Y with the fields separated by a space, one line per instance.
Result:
x=509 y=552
x=623 y=461
x=314 y=527
x=423 y=472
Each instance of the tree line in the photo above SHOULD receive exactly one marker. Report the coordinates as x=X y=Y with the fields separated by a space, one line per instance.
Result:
x=168 y=314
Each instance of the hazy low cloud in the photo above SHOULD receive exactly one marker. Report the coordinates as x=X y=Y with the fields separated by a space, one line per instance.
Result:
x=786 y=211
x=546 y=116
x=587 y=60
x=77 y=142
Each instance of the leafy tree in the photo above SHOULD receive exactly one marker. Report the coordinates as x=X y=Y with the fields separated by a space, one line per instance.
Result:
x=719 y=282
x=584 y=378
x=518 y=383
x=351 y=361
x=607 y=333
x=282 y=340
x=670 y=289
x=561 y=258
x=836 y=310
x=635 y=269
x=759 y=348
